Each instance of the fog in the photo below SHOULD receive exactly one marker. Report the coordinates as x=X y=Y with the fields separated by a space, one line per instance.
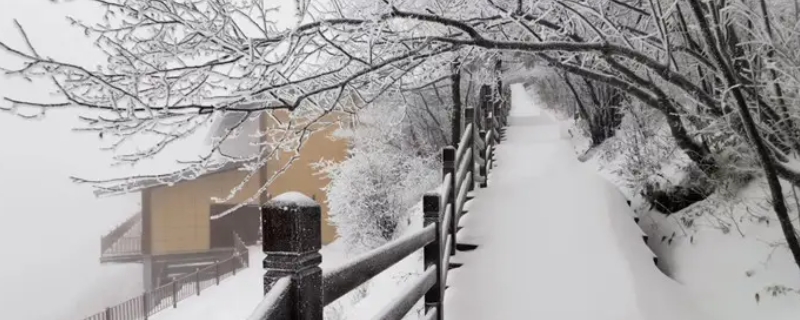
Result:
x=50 y=228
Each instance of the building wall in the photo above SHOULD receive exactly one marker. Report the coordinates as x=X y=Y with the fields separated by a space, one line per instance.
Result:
x=301 y=176
x=179 y=214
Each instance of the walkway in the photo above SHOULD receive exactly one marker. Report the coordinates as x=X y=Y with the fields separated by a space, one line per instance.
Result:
x=548 y=231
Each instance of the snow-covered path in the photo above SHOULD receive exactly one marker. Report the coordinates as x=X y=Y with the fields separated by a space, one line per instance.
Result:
x=548 y=248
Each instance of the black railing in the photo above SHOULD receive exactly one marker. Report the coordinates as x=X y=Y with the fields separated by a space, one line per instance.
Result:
x=168 y=295
x=297 y=289
x=107 y=241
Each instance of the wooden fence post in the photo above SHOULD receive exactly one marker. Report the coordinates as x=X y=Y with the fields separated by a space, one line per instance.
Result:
x=292 y=239
x=469 y=117
x=482 y=154
x=107 y=314
x=456 y=125
x=498 y=90
x=484 y=106
x=433 y=253
x=492 y=104
x=449 y=167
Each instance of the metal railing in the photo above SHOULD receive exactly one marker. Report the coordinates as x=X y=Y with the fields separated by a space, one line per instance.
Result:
x=180 y=288
x=109 y=240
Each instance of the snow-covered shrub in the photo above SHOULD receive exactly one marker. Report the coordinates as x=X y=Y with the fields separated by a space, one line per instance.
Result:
x=371 y=192
x=393 y=161
x=375 y=194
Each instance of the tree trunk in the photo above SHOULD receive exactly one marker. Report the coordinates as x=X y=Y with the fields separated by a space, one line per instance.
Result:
x=778 y=201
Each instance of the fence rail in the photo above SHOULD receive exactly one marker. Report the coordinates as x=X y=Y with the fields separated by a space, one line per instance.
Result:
x=296 y=288
x=180 y=288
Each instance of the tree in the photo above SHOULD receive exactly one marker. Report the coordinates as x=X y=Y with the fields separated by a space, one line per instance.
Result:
x=727 y=66
x=373 y=191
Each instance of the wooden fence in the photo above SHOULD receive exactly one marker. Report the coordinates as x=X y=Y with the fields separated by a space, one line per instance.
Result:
x=296 y=288
x=168 y=295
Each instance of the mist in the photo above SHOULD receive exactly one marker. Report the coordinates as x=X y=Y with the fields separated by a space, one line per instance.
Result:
x=51 y=228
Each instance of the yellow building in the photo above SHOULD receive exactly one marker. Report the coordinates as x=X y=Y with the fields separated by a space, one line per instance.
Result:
x=180 y=224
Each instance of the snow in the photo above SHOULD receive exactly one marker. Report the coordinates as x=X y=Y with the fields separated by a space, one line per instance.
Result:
x=670 y=300
x=728 y=257
x=238 y=296
x=551 y=240
x=270 y=302
x=726 y=270
x=543 y=252
x=293 y=198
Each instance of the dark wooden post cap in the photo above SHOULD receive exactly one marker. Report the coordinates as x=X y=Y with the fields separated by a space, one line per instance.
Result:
x=291 y=216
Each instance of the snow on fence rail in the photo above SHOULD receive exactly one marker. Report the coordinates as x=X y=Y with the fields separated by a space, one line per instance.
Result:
x=296 y=288
x=168 y=295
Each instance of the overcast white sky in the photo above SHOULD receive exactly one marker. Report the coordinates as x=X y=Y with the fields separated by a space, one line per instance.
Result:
x=49 y=228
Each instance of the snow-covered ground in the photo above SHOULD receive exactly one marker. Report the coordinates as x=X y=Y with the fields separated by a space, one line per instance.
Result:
x=237 y=297
x=555 y=239
x=727 y=252
x=730 y=256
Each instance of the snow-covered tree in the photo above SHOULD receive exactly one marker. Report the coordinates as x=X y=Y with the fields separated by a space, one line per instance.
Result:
x=704 y=66
x=392 y=162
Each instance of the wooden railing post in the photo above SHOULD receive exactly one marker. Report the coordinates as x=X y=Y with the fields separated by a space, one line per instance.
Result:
x=498 y=90
x=485 y=106
x=291 y=240
x=456 y=125
x=507 y=107
x=469 y=117
x=433 y=253
x=492 y=105
x=449 y=167
x=482 y=154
